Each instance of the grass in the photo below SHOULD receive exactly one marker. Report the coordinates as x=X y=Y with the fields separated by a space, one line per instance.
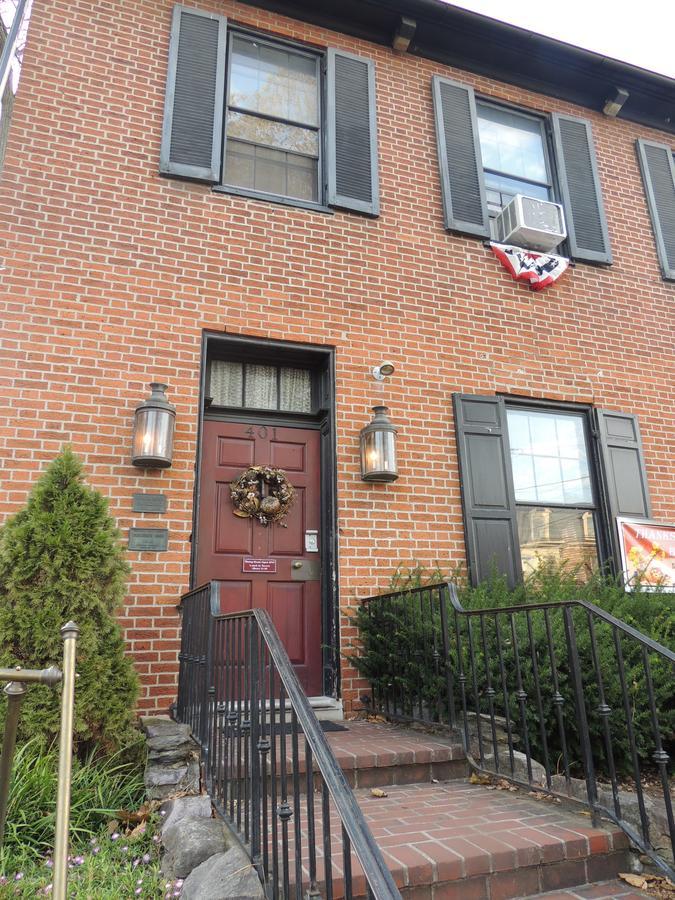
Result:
x=106 y=863
x=108 y=867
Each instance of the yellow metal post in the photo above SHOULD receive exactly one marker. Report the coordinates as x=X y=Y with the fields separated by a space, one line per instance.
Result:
x=69 y=633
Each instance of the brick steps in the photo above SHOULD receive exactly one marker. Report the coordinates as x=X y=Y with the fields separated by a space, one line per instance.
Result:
x=606 y=890
x=446 y=839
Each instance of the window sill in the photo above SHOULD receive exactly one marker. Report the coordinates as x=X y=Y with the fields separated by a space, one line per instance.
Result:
x=272 y=198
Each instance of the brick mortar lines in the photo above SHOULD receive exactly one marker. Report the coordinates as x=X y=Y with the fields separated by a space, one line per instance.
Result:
x=113 y=272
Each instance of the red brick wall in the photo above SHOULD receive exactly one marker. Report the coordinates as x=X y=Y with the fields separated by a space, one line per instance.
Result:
x=113 y=272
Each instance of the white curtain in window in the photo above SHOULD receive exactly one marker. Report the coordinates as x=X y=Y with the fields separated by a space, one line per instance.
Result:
x=227 y=382
x=261 y=387
x=296 y=390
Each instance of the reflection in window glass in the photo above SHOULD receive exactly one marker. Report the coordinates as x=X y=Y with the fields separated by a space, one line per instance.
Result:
x=549 y=457
x=562 y=536
x=272 y=124
x=273 y=81
x=511 y=144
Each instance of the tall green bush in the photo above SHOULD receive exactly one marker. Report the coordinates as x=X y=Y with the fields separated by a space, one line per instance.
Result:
x=394 y=656
x=61 y=559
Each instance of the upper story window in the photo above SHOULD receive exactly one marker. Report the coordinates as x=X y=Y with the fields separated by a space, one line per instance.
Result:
x=488 y=153
x=269 y=118
x=272 y=129
x=514 y=155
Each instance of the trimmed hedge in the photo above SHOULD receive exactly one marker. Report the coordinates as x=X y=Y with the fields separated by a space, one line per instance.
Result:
x=397 y=655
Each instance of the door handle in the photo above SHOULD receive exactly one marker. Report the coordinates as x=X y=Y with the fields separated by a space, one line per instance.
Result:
x=297 y=564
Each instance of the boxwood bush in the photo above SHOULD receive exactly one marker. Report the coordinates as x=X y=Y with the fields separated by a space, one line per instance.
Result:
x=399 y=636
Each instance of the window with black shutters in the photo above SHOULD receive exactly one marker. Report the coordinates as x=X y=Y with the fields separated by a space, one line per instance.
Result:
x=515 y=156
x=489 y=152
x=545 y=481
x=269 y=118
x=272 y=124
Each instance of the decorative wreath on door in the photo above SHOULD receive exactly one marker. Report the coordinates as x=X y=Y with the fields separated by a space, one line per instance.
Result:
x=251 y=500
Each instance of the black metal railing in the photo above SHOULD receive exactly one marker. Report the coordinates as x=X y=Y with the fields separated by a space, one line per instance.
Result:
x=558 y=697
x=269 y=769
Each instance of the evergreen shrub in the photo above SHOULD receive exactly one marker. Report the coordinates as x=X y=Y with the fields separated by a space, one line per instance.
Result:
x=395 y=640
x=61 y=558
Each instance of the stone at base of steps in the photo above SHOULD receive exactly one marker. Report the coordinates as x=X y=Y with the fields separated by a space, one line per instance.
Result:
x=605 y=890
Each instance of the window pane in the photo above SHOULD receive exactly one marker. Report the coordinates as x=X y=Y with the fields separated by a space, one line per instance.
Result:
x=273 y=80
x=500 y=189
x=563 y=536
x=511 y=143
x=261 y=387
x=549 y=457
x=296 y=390
x=226 y=383
x=272 y=134
x=272 y=171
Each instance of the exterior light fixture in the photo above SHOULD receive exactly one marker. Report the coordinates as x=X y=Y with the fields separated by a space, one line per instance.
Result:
x=378 y=448
x=154 y=423
x=614 y=104
x=383 y=371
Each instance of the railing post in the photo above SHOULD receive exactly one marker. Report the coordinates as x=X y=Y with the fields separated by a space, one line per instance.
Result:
x=15 y=692
x=582 y=719
x=443 y=597
x=69 y=633
x=254 y=717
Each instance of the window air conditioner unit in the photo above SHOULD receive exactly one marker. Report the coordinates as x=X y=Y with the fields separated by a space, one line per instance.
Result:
x=531 y=223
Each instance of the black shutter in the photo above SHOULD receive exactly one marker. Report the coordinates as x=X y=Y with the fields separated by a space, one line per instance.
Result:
x=462 y=183
x=351 y=133
x=490 y=524
x=580 y=187
x=623 y=470
x=195 y=86
x=658 y=173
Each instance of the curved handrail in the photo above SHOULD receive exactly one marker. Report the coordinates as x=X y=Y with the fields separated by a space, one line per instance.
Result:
x=378 y=875
x=482 y=684
x=199 y=707
x=643 y=639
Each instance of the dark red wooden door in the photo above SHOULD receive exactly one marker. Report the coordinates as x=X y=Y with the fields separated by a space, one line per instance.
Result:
x=225 y=540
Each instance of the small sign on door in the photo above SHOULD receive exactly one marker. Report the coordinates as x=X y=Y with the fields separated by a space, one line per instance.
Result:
x=311 y=542
x=252 y=564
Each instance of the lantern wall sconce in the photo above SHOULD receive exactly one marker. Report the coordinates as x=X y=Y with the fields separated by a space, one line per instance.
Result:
x=378 y=448
x=154 y=423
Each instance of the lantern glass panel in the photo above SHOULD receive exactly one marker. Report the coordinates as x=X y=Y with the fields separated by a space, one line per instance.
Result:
x=378 y=453
x=153 y=437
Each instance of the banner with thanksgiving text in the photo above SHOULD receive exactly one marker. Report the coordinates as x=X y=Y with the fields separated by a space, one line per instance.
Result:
x=647 y=553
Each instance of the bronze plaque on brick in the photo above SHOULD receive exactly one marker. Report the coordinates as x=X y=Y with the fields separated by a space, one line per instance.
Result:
x=149 y=503
x=153 y=539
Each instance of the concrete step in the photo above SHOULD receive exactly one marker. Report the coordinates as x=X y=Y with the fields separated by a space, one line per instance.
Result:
x=605 y=890
x=457 y=841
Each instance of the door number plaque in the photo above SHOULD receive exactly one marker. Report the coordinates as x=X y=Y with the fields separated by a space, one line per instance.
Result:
x=251 y=564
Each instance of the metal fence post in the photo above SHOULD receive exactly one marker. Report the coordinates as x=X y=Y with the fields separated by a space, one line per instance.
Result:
x=69 y=632
x=15 y=692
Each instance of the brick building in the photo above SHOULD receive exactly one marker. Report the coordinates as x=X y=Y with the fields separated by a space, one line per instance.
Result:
x=341 y=222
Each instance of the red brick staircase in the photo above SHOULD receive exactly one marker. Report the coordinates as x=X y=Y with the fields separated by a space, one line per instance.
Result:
x=445 y=838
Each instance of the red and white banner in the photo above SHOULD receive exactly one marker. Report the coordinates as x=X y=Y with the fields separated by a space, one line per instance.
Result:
x=538 y=269
x=647 y=553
